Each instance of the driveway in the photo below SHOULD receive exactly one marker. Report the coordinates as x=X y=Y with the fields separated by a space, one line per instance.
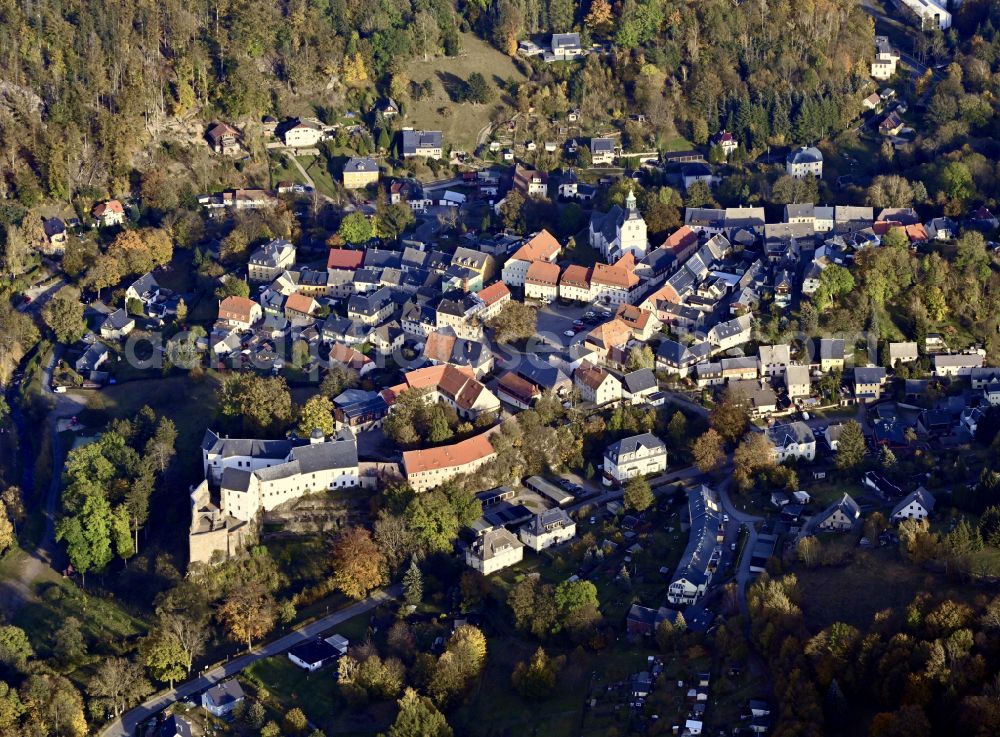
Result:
x=126 y=725
x=40 y=294
x=743 y=574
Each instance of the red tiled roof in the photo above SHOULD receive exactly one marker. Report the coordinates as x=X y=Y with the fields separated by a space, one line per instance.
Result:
x=236 y=308
x=576 y=276
x=542 y=246
x=476 y=448
x=299 y=303
x=340 y=258
x=542 y=272
x=494 y=293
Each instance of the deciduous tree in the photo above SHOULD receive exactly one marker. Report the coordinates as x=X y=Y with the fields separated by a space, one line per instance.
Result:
x=358 y=565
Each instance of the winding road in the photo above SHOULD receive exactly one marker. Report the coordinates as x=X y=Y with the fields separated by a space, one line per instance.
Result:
x=125 y=726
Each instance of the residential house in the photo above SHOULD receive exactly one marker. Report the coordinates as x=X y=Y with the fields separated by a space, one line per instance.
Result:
x=797 y=381
x=344 y=355
x=456 y=386
x=702 y=553
x=731 y=333
x=221 y=699
x=371 y=309
x=839 y=516
x=596 y=384
x=805 y=161
x=360 y=172
x=831 y=354
x=602 y=151
x=868 y=383
x=634 y=456
x=565 y=47
x=516 y=391
x=428 y=144
x=902 y=353
x=692 y=173
x=891 y=124
x=791 y=440
x=55 y=235
x=173 y=726
x=956 y=364
x=469 y=270
x=643 y=323
x=92 y=359
x=117 y=325
x=541 y=246
x=493 y=298
x=109 y=213
x=942 y=229
x=575 y=283
x=223 y=139
x=917 y=504
x=617 y=283
x=529 y=182
x=638 y=386
x=299 y=307
x=542 y=281
x=759 y=396
x=726 y=142
x=677 y=358
x=425 y=469
x=886 y=58
x=548 y=528
x=268 y=261
x=302 y=132
x=873 y=101
x=239 y=312
x=741 y=367
x=774 y=359
x=313 y=654
x=832 y=434
x=571 y=188
x=494 y=550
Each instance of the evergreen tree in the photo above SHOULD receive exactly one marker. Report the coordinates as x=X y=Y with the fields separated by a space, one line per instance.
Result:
x=413 y=584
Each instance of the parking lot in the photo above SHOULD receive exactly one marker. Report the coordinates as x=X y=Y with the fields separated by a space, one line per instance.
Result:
x=556 y=322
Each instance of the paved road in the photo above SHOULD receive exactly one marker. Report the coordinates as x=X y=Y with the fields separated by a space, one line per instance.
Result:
x=743 y=574
x=126 y=725
x=40 y=294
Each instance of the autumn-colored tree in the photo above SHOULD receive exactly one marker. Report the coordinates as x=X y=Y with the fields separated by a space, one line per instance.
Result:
x=358 y=564
x=755 y=453
x=600 y=16
x=248 y=613
x=708 y=451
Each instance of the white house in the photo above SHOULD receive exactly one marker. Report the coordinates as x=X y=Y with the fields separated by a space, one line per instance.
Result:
x=701 y=556
x=551 y=527
x=797 y=381
x=596 y=384
x=222 y=698
x=792 y=440
x=841 y=515
x=805 y=161
x=313 y=655
x=634 y=456
x=917 y=504
x=494 y=550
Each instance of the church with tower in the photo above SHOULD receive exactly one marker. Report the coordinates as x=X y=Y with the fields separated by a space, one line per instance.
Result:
x=617 y=232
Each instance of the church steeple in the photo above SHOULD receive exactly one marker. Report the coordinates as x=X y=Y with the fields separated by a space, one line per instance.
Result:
x=630 y=200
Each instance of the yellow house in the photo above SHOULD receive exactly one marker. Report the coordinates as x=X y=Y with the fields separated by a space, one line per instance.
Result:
x=360 y=172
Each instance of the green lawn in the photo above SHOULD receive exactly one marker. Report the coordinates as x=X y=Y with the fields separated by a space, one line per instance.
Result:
x=463 y=123
x=874 y=580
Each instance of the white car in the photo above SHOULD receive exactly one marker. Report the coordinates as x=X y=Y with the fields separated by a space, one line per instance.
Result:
x=568 y=333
